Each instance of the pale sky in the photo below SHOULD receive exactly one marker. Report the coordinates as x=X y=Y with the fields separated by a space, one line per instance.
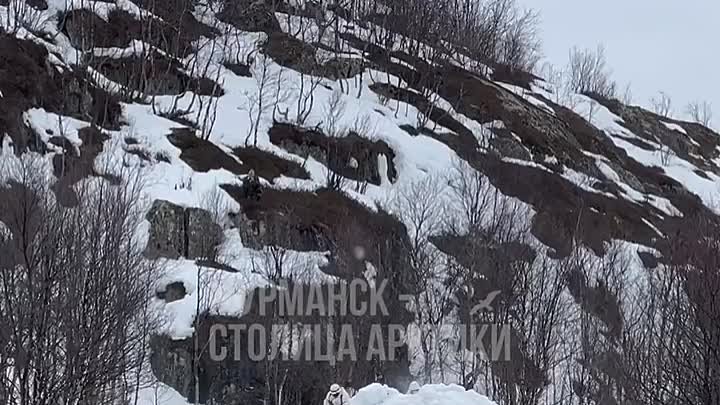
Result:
x=668 y=45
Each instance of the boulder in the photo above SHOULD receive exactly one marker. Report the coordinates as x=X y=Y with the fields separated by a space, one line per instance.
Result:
x=203 y=235
x=179 y=232
x=167 y=230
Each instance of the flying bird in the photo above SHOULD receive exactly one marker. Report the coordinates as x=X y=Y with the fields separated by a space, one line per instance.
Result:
x=486 y=304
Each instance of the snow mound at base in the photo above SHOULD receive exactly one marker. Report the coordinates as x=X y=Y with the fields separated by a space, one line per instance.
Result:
x=374 y=394
x=432 y=394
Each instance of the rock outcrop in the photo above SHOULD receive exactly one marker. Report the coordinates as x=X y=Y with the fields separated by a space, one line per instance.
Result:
x=177 y=231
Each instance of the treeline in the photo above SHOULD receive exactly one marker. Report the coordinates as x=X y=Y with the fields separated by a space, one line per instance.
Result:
x=74 y=308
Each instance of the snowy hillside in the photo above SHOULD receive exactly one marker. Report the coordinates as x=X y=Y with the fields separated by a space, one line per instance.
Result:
x=299 y=144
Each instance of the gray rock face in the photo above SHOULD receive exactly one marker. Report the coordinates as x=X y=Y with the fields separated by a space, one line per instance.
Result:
x=167 y=230
x=649 y=260
x=343 y=68
x=251 y=231
x=627 y=177
x=202 y=233
x=509 y=147
x=250 y=16
x=337 y=151
x=231 y=381
x=171 y=362
x=179 y=232
x=173 y=292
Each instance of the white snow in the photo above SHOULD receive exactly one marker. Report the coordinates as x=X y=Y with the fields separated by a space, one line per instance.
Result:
x=47 y=124
x=674 y=127
x=434 y=394
x=221 y=292
x=416 y=158
x=673 y=166
x=374 y=394
x=663 y=204
x=158 y=394
x=527 y=96
x=5 y=233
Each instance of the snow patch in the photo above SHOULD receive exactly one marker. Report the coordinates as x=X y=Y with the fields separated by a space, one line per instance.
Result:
x=433 y=394
x=674 y=127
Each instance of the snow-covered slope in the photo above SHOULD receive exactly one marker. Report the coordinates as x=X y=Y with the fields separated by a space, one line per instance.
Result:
x=281 y=101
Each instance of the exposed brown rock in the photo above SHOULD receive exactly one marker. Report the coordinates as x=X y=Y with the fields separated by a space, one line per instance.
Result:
x=351 y=156
x=154 y=74
x=292 y=53
x=698 y=145
x=203 y=156
x=247 y=15
x=172 y=292
x=28 y=80
x=73 y=165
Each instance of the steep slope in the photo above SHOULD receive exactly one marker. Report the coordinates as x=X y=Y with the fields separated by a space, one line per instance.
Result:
x=274 y=145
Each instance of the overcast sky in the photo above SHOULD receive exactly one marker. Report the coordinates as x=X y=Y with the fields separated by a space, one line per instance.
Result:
x=668 y=45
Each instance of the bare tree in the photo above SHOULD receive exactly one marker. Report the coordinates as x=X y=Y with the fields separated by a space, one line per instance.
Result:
x=672 y=346
x=334 y=110
x=281 y=267
x=310 y=77
x=662 y=104
x=265 y=99
x=627 y=96
x=421 y=208
x=364 y=127
x=490 y=31
x=588 y=72
x=520 y=46
x=495 y=258
x=563 y=93
x=206 y=114
x=700 y=112
x=75 y=291
x=20 y=15
x=472 y=201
